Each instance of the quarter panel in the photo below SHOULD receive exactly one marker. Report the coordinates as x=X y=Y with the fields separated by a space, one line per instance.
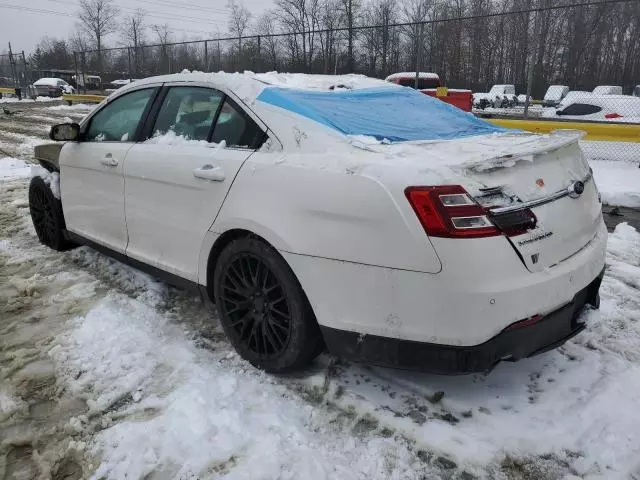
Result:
x=324 y=213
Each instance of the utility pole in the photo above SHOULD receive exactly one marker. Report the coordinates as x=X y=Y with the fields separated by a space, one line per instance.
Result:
x=13 y=67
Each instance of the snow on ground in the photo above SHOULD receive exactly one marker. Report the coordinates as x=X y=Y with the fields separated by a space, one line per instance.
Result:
x=618 y=182
x=12 y=168
x=27 y=100
x=77 y=107
x=194 y=413
x=107 y=373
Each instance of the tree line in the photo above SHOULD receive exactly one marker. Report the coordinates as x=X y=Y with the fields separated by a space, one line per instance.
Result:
x=469 y=43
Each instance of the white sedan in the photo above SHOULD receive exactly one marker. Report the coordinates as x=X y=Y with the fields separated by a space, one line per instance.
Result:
x=337 y=212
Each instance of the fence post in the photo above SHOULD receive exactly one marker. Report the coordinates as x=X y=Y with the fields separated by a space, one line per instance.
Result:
x=84 y=69
x=129 y=62
x=13 y=67
x=206 y=56
x=259 y=56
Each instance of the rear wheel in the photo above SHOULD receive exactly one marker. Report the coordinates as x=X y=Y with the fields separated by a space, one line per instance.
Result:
x=263 y=309
x=46 y=215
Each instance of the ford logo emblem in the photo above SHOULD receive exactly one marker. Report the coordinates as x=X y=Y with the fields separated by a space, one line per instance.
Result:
x=576 y=189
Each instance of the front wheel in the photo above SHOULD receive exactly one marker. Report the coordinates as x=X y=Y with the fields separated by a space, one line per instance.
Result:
x=46 y=215
x=263 y=310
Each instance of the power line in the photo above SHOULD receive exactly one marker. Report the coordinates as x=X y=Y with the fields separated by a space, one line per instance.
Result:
x=34 y=10
x=160 y=15
x=183 y=6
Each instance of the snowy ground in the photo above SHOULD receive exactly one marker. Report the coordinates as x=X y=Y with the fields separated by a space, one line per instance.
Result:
x=107 y=373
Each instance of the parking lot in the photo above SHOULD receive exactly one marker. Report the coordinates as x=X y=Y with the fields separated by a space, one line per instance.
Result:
x=105 y=371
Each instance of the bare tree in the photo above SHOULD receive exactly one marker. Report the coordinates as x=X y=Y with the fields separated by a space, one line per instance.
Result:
x=98 y=18
x=132 y=33
x=351 y=11
x=133 y=29
x=163 y=36
x=266 y=25
x=239 y=18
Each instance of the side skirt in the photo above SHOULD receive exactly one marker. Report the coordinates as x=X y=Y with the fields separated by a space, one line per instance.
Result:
x=161 y=275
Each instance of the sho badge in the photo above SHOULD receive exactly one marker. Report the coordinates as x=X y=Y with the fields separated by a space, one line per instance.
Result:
x=535 y=238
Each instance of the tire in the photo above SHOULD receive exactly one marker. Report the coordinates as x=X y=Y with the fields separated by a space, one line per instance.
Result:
x=263 y=309
x=47 y=216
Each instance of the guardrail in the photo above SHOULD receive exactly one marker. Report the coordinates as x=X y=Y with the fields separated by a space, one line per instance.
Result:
x=71 y=98
x=609 y=132
x=7 y=91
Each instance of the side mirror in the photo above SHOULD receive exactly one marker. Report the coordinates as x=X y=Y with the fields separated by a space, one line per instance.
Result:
x=65 y=132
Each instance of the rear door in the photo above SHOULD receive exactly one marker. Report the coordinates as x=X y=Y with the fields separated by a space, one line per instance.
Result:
x=92 y=181
x=176 y=181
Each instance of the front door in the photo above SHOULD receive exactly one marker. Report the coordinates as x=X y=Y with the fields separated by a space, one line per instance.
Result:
x=92 y=180
x=176 y=181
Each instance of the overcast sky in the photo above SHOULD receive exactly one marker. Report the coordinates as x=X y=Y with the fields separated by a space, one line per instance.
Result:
x=57 y=18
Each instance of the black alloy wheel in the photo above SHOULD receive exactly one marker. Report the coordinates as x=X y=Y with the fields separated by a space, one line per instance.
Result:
x=46 y=215
x=262 y=307
x=256 y=305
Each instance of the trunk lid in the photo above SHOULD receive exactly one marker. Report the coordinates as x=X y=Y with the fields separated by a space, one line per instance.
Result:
x=513 y=170
x=557 y=184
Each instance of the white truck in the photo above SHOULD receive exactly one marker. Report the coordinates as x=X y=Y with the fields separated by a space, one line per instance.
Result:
x=500 y=96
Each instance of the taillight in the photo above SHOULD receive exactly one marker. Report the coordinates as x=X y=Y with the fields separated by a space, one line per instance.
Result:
x=613 y=115
x=448 y=211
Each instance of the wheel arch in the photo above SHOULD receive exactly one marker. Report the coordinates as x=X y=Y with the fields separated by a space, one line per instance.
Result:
x=225 y=239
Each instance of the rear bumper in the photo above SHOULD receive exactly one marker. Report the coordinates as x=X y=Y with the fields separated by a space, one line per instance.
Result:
x=511 y=344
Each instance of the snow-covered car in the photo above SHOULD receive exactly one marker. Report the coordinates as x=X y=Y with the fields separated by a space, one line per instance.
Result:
x=429 y=84
x=116 y=84
x=500 y=96
x=618 y=108
x=52 y=87
x=416 y=236
x=554 y=95
x=607 y=90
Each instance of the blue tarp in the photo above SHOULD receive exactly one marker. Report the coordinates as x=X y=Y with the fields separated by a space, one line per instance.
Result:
x=394 y=114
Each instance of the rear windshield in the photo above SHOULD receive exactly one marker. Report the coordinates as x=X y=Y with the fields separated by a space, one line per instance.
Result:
x=422 y=83
x=388 y=113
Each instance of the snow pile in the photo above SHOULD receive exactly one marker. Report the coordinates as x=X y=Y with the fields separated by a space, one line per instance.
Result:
x=577 y=405
x=76 y=107
x=27 y=100
x=13 y=168
x=401 y=75
x=50 y=178
x=618 y=182
x=9 y=403
x=185 y=412
x=171 y=138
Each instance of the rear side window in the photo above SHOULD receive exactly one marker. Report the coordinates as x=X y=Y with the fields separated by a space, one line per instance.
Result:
x=188 y=112
x=580 y=109
x=236 y=128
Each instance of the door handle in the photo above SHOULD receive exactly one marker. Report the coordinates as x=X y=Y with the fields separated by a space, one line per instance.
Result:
x=109 y=161
x=209 y=172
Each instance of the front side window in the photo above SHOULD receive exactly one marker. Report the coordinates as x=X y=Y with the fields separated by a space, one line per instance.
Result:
x=580 y=109
x=236 y=129
x=119 y=120
x=188 y=112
